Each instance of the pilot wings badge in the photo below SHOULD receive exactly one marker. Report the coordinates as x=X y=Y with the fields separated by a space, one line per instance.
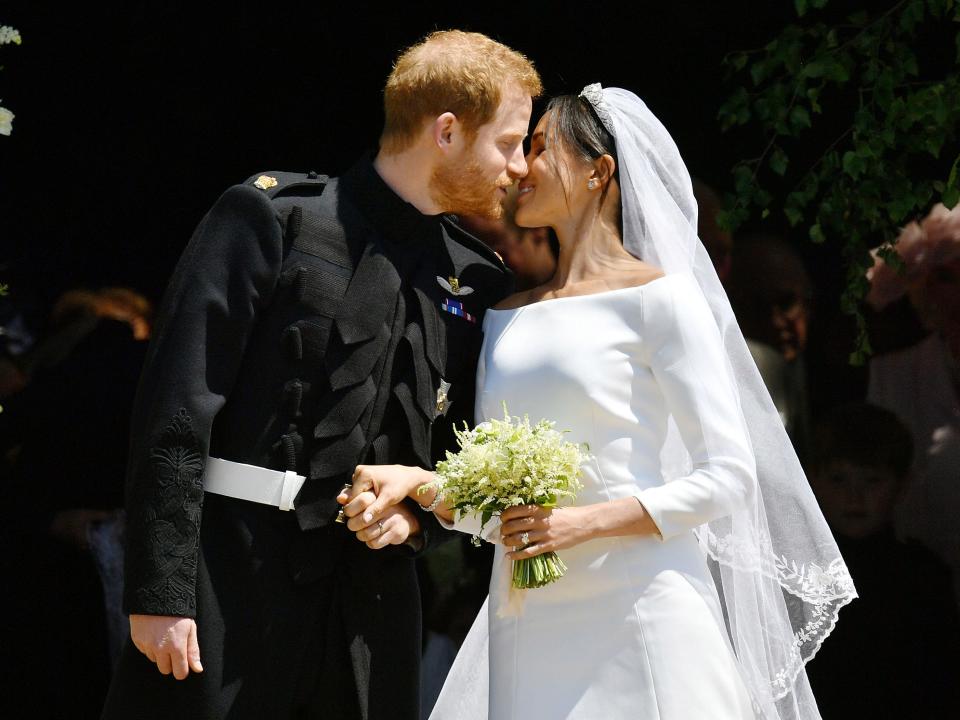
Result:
x=452 y=285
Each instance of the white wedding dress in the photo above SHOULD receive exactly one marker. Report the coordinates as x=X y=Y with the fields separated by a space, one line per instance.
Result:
x=634 y=629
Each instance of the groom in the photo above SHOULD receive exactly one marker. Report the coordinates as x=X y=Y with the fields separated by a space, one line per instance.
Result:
x=311 y=325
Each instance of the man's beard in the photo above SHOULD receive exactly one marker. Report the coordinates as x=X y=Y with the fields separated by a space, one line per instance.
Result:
x=461 y=188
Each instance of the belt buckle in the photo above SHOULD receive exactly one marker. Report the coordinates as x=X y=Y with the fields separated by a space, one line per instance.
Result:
x=289 y=489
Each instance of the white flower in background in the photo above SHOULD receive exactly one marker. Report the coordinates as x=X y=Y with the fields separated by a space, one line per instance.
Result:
x=9 y=35
x=6 y=121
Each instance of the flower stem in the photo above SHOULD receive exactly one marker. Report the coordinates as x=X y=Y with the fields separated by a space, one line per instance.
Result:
x=538 y=571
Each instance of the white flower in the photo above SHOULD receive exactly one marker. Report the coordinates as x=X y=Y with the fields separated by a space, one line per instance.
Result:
x=6 y=121
x=9 y=35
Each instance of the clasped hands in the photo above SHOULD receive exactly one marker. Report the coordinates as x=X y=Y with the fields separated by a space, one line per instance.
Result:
x=379 y=514
x=374 y=504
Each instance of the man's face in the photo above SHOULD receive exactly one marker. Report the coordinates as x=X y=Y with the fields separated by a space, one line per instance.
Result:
x=526 y=251
x=788 y=322
x=774 y=309
x=474 y=181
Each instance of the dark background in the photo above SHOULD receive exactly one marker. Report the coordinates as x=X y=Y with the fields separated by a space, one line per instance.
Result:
x=133 y=117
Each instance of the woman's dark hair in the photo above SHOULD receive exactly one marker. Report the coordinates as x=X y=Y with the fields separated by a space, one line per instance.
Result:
x=574 y=124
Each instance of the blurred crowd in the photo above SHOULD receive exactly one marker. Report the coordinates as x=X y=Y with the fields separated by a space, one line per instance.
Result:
x=67 y=395
x=881 y=445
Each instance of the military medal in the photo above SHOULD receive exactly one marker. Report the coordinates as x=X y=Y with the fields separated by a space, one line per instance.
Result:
x=455 y=307
x=443 y=401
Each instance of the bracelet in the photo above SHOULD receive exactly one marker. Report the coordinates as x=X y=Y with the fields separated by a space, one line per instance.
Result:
x=437 y=499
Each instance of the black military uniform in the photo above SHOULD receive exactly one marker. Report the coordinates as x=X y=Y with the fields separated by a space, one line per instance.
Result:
x=309 y=326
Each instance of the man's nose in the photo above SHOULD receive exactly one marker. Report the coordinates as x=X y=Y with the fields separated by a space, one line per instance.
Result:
x=517 y=166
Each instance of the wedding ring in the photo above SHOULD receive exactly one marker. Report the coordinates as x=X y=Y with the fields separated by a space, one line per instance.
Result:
x=380 y=526
x=525 y=538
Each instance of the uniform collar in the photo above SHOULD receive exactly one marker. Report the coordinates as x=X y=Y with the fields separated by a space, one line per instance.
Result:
x=393 y=217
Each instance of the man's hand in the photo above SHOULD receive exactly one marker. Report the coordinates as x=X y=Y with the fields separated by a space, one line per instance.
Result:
x=394 y=526
x=390 y=484
x=170 y=642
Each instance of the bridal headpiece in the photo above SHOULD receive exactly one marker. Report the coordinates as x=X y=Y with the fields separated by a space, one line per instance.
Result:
x=593 y=94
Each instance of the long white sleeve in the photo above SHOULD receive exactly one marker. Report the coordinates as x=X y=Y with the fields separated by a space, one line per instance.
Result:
x=471 y=524
x=683 y=347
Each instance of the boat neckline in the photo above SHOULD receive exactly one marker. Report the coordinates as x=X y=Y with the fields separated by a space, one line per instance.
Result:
x=584 y=295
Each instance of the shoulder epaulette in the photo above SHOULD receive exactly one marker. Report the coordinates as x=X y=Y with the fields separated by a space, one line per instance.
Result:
x=276 y=183
x=472 y=242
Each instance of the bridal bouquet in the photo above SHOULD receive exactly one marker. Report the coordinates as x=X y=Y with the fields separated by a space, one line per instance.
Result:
x=509 y=462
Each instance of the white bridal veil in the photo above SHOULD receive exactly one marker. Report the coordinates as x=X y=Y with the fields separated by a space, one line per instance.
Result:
x=779 y=575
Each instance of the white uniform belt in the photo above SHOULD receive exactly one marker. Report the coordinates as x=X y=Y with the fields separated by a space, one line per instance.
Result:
x=249 y=482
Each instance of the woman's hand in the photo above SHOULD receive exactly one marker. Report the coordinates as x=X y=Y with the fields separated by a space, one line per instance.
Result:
x=532 y=530
x=395 y=526
x=390 y=483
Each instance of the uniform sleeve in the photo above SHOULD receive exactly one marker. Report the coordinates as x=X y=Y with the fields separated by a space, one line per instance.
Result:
x=686 y=356
x=226 y=274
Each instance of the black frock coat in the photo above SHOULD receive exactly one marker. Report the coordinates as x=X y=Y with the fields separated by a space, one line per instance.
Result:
x=303 y=329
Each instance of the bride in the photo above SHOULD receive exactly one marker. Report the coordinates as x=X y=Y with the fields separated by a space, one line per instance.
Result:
x=702 y=575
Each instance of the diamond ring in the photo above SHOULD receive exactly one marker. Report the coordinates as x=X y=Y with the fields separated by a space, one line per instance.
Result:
x=524 y=538
x=380 y=526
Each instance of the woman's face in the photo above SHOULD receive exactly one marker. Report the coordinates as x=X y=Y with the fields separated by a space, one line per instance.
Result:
x=556 y=183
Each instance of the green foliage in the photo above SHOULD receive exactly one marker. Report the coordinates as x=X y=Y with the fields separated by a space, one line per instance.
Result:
x=893 y=150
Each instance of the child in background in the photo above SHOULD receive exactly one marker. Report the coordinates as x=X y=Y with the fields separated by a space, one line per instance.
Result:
x=895 y=653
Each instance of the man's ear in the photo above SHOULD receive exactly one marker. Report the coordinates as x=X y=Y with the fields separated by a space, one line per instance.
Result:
x=444 y=130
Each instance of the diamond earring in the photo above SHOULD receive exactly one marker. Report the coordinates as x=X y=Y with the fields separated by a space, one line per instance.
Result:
x=591 y=184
